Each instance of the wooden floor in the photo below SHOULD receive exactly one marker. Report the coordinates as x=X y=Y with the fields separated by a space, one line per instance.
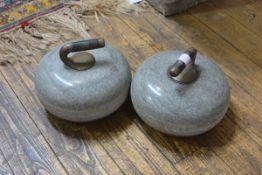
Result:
x=229 y=31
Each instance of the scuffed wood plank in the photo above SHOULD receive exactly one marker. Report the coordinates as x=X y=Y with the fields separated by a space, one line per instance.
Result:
x=247 y=13
x=21 y=142
x=246 y=111
x=5 y=169
x=235 y=147
x=231 y=31
x=139 y=149
x=203 y=162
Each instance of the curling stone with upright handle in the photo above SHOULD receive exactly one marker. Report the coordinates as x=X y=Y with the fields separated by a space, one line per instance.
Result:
x=180 y=93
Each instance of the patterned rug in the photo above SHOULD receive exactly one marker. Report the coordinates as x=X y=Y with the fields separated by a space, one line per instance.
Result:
x=19 y=12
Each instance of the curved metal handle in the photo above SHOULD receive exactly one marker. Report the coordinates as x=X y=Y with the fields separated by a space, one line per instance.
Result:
x=184 y=71
x=80 y=61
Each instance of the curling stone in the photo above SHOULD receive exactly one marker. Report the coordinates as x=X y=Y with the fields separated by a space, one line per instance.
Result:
x=83 y=80
x=180 y=93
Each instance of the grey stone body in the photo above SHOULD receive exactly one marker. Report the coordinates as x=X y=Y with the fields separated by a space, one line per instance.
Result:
x=179 y=109
x=170 y=7
x=82 y=96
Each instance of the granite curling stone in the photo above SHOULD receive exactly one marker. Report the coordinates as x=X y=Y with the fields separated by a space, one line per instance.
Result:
x=180 y=93
x=79 y=85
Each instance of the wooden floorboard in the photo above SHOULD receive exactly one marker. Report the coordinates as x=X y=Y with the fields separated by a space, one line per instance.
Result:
x=229 y=32
x=22 y=145
x=240 y=37
x=5 y=168
x=246 y=13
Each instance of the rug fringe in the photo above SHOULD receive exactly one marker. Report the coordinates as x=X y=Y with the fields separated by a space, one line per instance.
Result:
x=48 y=31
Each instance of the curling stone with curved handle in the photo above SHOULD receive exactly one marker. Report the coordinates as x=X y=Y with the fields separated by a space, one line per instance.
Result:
x=83 y=80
